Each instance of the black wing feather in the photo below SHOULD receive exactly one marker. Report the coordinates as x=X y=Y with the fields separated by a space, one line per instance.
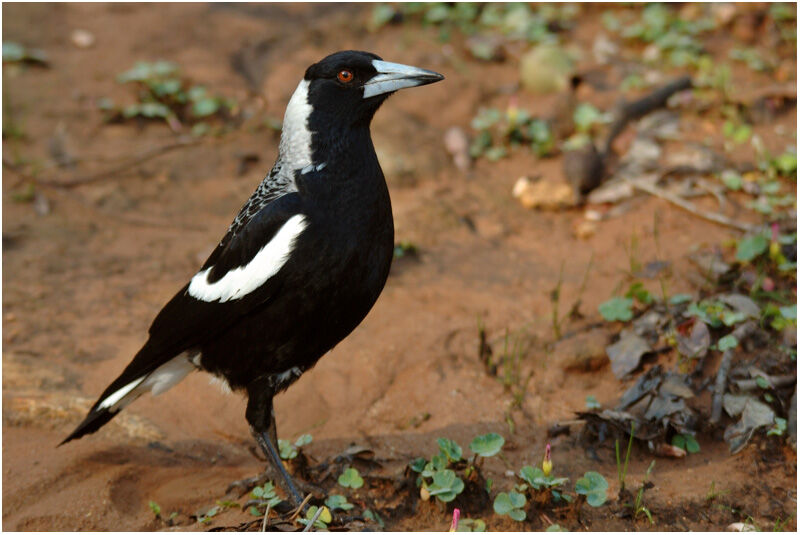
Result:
x=185 y=322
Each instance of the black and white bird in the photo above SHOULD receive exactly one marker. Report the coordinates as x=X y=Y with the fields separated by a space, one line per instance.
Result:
x=300 y=266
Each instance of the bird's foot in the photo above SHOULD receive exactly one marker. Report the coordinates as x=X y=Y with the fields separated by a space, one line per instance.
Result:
x=293 y=495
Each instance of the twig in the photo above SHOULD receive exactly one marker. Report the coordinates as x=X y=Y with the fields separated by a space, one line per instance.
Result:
x=714 y=217
x=300 y=507
x=133 y=162
x=73 y=197
x=740 y=333
x=776 y=381
x=313 y=519
x=266 y=522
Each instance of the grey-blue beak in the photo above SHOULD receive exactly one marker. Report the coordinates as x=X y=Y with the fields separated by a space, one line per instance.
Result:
x=394 y=76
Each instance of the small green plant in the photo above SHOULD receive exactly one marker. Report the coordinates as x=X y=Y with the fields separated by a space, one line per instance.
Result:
x=592 y=403
x=264 y=496
x=586 y=117
x=638 y=292
x=205 y=518
x=736 y=133
x=541 y=479
x=438 y=478
x=617 y=309
x=686 y=442
x=471 y=525
x=487 y=445
x=727 y=342
x=450 y=448
x=369 y=514
x=780 y=525
x=435 y=478
x=155 y=508
x=752 y=58
x=750 y=248
x=162 y=93
x=592 y=485
x=713 y=494
x=445 y=485
x=288 y=450
x=638 y=503
x=351 y=478
x=337 y=501
x=16 y=53
x=497 y=132
x=622 y=468
x=510 y=504
x=779 y=428
x=405 y=248
x=318 y=517
x=674 y=38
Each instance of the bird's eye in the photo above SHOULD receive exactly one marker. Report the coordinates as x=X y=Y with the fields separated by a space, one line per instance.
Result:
x=345 y=76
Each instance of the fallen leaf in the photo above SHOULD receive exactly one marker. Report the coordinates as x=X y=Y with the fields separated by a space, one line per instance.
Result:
x=646 y=384
x=626 y=354
x=741 y=303
x=695 y=345
x=754 y=415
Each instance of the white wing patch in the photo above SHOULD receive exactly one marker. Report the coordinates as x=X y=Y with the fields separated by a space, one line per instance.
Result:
x=242 y=280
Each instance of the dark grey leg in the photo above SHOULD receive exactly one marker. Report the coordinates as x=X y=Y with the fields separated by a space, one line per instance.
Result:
x=261 y=417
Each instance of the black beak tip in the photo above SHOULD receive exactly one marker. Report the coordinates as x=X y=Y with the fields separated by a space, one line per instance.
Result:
x=432 y=77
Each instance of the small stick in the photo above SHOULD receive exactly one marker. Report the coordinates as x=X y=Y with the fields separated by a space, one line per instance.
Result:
x=740 y=333
x=714 y=217
x=301 y=506
x=313 y=519
x=777 y=381
x=133 y=162
x=266 y=521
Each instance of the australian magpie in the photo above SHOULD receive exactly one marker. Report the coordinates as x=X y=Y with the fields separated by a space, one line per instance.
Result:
x=301 y=264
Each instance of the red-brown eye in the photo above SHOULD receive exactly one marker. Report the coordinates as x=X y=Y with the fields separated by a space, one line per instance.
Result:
x=345 y=76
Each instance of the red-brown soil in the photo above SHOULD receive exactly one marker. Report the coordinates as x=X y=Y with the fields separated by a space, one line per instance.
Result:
x=82 y=283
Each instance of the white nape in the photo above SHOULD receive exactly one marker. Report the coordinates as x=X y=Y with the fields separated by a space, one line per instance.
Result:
x=295 y=144
x=162 y=379
x=242 y=280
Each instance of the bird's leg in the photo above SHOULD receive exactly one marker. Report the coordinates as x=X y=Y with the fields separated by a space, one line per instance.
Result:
x=261 y=416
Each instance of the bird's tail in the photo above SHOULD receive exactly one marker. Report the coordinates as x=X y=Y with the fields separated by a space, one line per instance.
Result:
x=157 y=376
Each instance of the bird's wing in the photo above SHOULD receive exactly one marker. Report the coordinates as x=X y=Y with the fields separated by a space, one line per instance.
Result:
x=238 y=276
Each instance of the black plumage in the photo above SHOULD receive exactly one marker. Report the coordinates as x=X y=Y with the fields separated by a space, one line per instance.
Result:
x=300 y=266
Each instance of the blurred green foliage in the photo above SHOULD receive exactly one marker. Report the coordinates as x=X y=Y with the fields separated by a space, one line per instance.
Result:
x=163 y=93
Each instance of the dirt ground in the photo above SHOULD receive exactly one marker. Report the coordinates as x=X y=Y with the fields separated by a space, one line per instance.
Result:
x=83 y=278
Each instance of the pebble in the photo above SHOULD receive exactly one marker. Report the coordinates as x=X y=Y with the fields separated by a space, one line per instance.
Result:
x=82 y=38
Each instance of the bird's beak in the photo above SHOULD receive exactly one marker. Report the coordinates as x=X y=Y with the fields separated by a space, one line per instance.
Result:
x=394 y=76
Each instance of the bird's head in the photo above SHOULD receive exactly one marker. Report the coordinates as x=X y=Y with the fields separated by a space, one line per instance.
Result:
x=351 y=85
x=341 y=91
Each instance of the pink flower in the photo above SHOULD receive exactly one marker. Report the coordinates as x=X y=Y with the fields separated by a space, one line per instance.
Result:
x=547 y=464
x=456 y=517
